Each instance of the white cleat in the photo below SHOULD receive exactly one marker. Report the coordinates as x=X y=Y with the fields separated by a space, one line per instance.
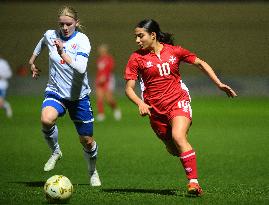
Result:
x=95 y=180
x=100 y=117
x=52 y=161
x=117 y=114
x=9 y=112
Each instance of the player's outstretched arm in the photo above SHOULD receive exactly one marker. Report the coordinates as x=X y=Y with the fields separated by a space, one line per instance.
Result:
x=210 y=72
x=144 y=109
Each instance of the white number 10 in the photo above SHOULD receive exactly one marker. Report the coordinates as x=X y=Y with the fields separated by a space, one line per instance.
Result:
x=164 y=69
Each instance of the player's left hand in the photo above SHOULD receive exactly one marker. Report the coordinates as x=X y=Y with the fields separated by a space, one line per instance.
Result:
x=228 y=90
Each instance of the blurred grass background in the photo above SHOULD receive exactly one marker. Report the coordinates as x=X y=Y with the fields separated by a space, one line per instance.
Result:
x=230 y=138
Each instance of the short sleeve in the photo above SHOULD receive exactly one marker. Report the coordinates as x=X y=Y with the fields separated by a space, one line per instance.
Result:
x=47 y=40
x=185 y=55
x=131 y=70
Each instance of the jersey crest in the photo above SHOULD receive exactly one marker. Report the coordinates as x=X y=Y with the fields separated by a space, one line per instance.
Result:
x=149 y=64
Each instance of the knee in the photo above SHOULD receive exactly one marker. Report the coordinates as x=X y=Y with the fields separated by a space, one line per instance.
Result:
x=178 y=135
x=47 y=121
x=86 y=141
x=49 y=116
x=180 y=139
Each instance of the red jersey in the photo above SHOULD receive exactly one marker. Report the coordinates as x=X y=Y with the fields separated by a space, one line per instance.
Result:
x=105 y=66
x=160 y=75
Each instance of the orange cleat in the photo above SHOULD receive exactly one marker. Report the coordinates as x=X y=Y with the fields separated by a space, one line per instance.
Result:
x=194 y=189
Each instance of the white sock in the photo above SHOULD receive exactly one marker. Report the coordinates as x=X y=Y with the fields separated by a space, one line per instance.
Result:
x=51 y=136
x=117 y=114
x=7 y=108
x=194 y=181
x=91 y=157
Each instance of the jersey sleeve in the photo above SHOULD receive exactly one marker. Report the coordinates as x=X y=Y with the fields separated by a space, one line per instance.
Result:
x=185 y=55
x=131 y=70
x=40 y=45
x=83 y=52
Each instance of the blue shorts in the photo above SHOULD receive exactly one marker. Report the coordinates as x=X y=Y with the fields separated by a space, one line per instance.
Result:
x=80 y=111
x=2 y=93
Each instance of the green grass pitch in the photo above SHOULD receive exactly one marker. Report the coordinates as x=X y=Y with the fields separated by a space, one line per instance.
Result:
x=229 y=136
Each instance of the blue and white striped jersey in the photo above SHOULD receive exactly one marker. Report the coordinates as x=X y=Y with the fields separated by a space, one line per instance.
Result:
x=69 y=81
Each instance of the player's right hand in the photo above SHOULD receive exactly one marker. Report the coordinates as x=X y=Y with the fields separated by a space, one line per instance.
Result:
x=144 y=109
x=35 y=71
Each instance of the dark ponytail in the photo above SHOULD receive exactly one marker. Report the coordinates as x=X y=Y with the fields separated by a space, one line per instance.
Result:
x=165 y=38
x=152 y=26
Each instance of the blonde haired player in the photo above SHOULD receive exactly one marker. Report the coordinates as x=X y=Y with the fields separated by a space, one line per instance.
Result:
x=67 y=88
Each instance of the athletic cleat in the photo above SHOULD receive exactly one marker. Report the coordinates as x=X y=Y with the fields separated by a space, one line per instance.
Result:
x=100 y=117
x=94 y=179
x=117 y=114
x=52 y=161
x=194 y=189
x=9 y=112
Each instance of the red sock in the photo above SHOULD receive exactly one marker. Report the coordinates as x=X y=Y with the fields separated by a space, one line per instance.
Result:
x=113 y=104
x=100 y=106
x=188 y=160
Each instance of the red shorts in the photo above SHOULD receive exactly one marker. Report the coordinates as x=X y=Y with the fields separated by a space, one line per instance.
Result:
x=160 y=122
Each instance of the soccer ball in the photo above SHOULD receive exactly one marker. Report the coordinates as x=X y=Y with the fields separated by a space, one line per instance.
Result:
x=58 y=189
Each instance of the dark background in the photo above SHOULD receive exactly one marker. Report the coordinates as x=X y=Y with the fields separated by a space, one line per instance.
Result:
x=233 y=36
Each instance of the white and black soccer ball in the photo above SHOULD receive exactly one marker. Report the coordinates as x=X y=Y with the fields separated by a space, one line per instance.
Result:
x=58 y=189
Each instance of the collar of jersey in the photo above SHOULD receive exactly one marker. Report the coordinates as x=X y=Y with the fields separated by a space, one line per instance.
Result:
x=68 y=38
x=152 y=53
